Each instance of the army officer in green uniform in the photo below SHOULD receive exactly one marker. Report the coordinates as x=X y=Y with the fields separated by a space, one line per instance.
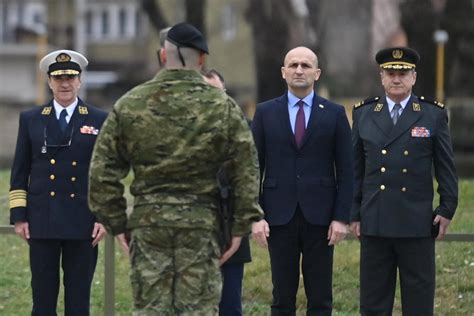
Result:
x=174 y=132
x=398 y=139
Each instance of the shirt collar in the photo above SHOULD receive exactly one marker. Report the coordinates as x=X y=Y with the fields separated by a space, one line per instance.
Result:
x=70 y=108
x=293 y=100
x=391 y=103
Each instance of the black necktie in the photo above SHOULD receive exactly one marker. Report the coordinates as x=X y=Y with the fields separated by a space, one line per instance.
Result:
x=62 y=120
x=396 y=113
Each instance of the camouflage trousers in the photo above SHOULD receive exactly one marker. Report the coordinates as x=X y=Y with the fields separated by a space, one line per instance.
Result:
x=175 y=271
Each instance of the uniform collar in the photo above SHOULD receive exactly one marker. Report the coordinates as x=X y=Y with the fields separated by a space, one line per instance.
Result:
x=70 y=108
x=391 y=103
x=179 y=74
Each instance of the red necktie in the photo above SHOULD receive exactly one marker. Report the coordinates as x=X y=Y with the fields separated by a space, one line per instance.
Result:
x=300 y=126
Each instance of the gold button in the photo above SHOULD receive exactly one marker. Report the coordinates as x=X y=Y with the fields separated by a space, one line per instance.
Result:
x=73 y=179
x=404 y=189
x=382 y=169
x=52 y=177
x=384 y=152
x=404 y=170
x=72 y=195
x=52 y=161
x=74 y=163
x=405 y=152
x=382 y=187
x=52 y=193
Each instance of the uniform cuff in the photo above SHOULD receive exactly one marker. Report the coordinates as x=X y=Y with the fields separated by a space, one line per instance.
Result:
x=17 y=214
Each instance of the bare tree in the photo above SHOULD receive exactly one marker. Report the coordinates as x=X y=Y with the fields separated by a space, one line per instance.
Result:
x=195 y=13
x=458 y=21
x=277 y=26
x=155 y=15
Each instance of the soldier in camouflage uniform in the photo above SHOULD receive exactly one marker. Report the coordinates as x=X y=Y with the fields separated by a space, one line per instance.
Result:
x=174 y=131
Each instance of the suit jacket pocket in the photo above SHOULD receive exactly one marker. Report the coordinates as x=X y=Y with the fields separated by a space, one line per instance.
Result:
x=270 y=183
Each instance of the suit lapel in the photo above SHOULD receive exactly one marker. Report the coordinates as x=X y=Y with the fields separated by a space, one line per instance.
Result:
x=285 y=119
x=77 y=121
x=79 y=116
x=405 y=121
x=316 y=117
x=381 y=117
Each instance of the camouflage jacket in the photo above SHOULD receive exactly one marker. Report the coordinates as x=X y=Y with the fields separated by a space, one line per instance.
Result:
x=174 y=131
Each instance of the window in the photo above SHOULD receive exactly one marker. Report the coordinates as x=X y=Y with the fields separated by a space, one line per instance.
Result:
x=122 y=22
x=112 y=21
x=229 y=22
x=105 y=23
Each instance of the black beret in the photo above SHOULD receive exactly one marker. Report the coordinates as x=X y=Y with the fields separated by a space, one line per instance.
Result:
x=398 y=58
x=185 y=35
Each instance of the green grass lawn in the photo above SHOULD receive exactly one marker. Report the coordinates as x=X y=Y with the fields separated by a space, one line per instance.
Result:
x=455 y=270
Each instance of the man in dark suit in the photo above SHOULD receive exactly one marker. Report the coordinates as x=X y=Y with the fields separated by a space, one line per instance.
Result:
x=233 y=260
x=304 y=150
x=48 y=193
x=397 y=140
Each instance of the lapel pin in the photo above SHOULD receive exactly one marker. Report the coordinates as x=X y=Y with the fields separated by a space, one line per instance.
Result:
x=416 y=107
x=378 y=107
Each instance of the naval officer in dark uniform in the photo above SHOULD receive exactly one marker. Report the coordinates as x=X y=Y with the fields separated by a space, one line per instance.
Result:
x=48 y=194
x=398 y=139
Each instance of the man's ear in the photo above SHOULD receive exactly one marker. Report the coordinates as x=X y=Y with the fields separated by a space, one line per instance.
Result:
x=202 y=59
x=163 y=56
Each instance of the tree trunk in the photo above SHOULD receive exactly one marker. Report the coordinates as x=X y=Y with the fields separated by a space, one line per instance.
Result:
x=155 y=15
x=269 y=20
x=195 y=14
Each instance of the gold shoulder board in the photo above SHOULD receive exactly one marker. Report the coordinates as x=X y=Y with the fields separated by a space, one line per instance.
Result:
x=365 y=102
x=434 y=102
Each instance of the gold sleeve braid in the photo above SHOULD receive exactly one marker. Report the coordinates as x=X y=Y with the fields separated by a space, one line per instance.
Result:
x=17 y=198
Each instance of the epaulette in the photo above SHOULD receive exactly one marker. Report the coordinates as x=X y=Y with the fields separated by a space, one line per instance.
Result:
x=366 y=101
x=434 y=102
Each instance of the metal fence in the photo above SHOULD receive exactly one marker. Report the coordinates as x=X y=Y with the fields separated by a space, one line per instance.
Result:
x=109 y=264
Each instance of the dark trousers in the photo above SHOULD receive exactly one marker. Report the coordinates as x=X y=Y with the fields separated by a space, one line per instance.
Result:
x=286 y=244
x=78 y=260
x=379 y=259
x=231 y=298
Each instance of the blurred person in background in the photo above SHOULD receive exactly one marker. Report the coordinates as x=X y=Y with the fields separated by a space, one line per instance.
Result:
x=233 y=260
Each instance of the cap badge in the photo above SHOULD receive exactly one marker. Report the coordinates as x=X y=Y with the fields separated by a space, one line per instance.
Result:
x=63 y=58
x=397 y=53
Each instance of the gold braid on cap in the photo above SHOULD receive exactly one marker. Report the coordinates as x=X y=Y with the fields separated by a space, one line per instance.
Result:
x=397 y=65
